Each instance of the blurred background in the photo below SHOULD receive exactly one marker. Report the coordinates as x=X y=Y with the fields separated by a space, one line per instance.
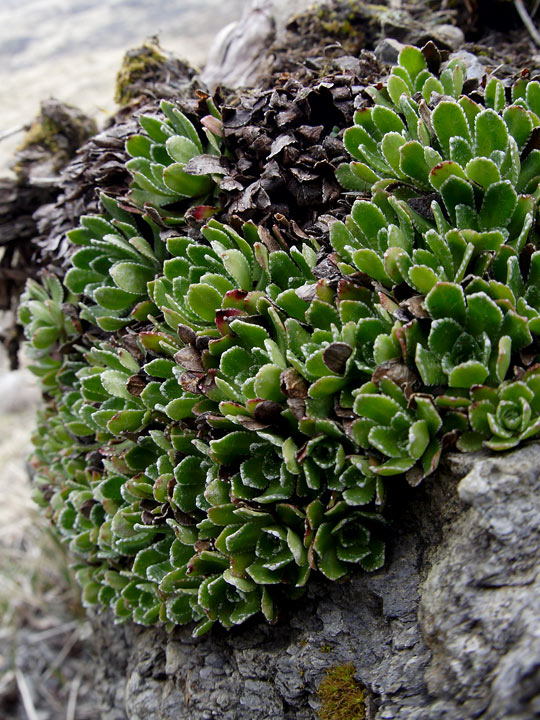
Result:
x=70 y=50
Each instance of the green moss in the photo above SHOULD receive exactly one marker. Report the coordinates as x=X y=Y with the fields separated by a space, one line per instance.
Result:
x=43 y=131
x=341 y=696
x=343 y=24
x=353 y=24
x=326 y=648
x=338 y=28
x=134 y=65
x=56 y=133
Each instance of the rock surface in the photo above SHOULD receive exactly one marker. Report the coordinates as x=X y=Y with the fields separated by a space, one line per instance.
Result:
x=480 y=606
x=446 y=37
x=449 y=629
x=387 y=50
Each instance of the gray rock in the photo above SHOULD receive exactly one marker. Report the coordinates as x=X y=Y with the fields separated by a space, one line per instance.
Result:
x=480 y=605
x=474 y=68
x=394 y=22
x=447 y=37
x=387 y=50
x=348 y=63
x=447 y=630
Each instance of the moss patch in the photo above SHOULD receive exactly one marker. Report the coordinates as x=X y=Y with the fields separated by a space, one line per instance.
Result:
x=352 y=25
x=53 y=138
x=44 y=131
x=344 y=24
x=135 y=64
x=341 y=696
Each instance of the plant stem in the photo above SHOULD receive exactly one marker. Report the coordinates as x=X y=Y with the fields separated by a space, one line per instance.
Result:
x=524 y=15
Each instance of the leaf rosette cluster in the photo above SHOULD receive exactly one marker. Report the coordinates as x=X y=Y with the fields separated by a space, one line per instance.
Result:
x=223 y=409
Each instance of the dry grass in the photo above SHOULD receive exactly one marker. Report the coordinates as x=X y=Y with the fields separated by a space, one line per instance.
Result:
x=45 y=672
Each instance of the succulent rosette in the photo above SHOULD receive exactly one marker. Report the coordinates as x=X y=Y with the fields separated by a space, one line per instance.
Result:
x=227 y=413
x=501 y=418
x=172 y=162
x=403 y=430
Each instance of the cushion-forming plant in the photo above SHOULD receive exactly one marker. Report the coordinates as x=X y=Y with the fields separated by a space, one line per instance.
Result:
x=222 y=413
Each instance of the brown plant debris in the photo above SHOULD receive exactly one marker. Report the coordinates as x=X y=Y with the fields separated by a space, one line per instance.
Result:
x=285 y=142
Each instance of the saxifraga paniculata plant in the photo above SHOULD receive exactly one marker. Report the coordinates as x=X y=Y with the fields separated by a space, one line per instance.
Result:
x=219 y=421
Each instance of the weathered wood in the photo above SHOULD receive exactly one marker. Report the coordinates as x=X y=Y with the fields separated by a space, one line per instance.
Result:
x=238 y=55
